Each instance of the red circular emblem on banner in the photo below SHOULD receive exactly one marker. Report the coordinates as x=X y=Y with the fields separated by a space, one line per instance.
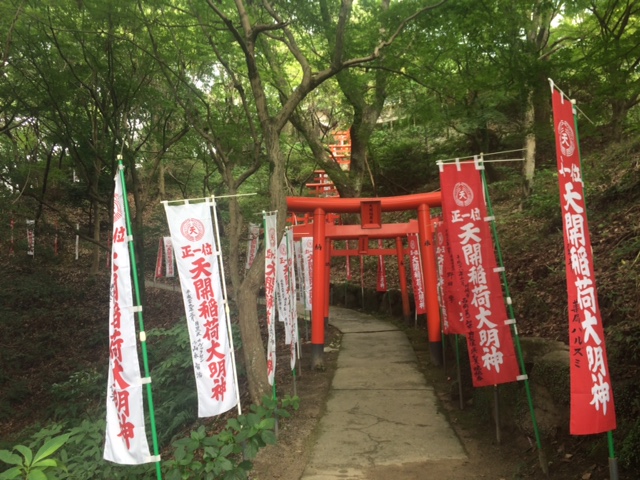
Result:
x=192 y=229
x=567 y=138
x=462 y=194
x=117 y=207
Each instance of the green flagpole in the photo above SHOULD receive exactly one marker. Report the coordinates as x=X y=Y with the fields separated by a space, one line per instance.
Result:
x=613 y=461
x=544 y=464
x=143 y=335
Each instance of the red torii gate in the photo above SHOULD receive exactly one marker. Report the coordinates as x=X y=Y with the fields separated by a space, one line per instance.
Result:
x=370 y=210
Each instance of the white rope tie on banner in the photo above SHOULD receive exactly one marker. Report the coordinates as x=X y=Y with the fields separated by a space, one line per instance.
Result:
x=573 y=102
x=204 y=199
x=135 y=308
x=490 y=219
x=509 y=302
x=498 y=269
x=458 y=167
x=129 y=238
x=510 y=321
x=478 y=162
x=145 y=380
x=153 y=458
x=522 y=377
x=143 y=336
x=264 y=214
x=440 y=166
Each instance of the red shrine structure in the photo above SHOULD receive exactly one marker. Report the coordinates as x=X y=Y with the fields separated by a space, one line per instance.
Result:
x=320 y=221
x=370 y=228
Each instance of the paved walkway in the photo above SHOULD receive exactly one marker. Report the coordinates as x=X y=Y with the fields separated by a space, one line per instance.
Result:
x=382 y=419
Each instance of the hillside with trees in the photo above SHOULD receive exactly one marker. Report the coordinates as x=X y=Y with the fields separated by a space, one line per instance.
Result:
x=232 y=98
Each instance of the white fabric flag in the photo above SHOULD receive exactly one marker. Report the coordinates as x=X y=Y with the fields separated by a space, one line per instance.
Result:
x=297 y=249
x=307 y=269
x=293 y=305
x=168 y=257
x=283 y=289
x=252 y=244
x=199 y=272
x=126 y=439
x=31 y=237
x=270 y=267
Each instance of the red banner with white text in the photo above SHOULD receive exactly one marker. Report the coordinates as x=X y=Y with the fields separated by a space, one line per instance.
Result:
x=159 y=259
x=592 y=408
x=417 y=282
x=491 y=351
x=451 y=278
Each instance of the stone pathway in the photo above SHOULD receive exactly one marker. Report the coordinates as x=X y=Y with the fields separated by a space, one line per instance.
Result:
x=382 y=419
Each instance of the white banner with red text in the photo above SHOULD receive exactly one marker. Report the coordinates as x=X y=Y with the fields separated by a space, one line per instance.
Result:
x=126 y=439
x=307 y=270
x=270 y=271
x=192 y=237
x=416 y=273
x=592 y=407
x=31 y=237
x=169 y=257
x=293 y=305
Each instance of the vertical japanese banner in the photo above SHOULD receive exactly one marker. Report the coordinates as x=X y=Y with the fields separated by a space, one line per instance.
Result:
x=297 y=248
x=270 y=270
x=416 y=273
x=159 y=259
x=491 y=351
x=77 y=239
x=56 y=243
x=348 y=262
x=283 y=289
x=453 y=291
x=592 y=407
x=307 y=270
x=126 y=439
x=293 y=306
x=31 y=237
x=11 y=249
x=169 y=257
x=381 y=284
x=192 y=236
x=252 y=244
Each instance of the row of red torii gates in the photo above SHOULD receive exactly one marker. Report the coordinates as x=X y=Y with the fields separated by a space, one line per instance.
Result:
x=371 y=227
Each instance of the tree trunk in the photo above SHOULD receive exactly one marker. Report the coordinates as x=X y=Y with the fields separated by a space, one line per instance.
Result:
x=528 y=169
x=253 y=351
x=95 y=206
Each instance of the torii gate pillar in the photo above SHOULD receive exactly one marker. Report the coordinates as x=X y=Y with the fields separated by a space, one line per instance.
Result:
x=318 y=290
x=430 y=283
